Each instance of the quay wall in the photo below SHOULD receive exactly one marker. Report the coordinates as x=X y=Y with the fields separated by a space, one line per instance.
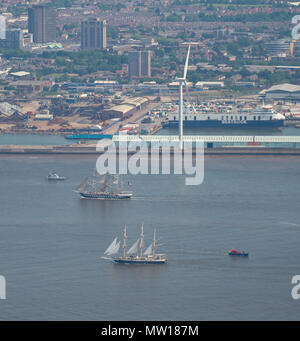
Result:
x=85 y=150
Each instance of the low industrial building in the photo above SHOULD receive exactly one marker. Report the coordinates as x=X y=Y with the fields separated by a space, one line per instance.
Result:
x=245 y=84
x=43 y=115
x=281 y=47
x=10 y=112
x=20 y=74
x=96 y=87
x=118 y=111
x=105 y=83
x=175 y=85
x=289 y=92
x=29 y=86
x=138 y=102
x=203 y=85
x=126 y=109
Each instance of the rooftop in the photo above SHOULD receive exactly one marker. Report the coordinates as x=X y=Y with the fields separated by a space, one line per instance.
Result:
x=282 y=87
x=124 y=108
x=20 y=73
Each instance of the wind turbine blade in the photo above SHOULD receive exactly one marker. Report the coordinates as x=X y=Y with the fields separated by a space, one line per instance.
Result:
x=186 y=63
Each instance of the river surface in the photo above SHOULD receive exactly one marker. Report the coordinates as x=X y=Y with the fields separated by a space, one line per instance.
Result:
x=51 y=242
x=33 y=139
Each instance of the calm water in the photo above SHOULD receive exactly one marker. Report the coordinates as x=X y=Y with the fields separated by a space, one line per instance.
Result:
x=32 y=139
x=51 y=243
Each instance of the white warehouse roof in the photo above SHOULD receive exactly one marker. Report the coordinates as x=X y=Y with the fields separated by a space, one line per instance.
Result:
x=282 y=87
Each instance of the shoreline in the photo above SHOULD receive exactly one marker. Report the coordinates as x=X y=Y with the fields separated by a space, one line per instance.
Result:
x=91 y=150
x=33 y=132
x=287 y=124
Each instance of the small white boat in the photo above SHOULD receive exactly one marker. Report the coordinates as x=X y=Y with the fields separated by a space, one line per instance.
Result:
x=55 y=176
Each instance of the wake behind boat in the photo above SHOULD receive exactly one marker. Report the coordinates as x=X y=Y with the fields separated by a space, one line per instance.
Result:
x=105 y=186
x=136 y=253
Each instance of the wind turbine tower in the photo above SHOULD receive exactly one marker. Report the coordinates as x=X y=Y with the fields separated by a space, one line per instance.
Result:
x=182 y=81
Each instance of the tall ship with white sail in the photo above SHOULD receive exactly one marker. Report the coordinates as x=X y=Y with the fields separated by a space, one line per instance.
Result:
x=136 y=253
x=107 y=186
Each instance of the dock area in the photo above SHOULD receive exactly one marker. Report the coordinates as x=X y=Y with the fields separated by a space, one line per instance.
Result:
x=213 y=145
x=73 y=150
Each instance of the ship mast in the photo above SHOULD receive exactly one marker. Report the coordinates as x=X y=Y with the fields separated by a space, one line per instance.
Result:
x=142 y=241
x=154 y=242
x=121 y=183
x=124 y=241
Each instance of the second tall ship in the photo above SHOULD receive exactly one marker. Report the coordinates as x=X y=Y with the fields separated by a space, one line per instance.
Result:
x=105 y=186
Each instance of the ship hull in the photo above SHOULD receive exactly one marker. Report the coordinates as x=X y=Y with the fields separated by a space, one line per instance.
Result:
x=104 y=196
x=56 y=179
x=241 y=254
x=272 y=124
x=133 y=261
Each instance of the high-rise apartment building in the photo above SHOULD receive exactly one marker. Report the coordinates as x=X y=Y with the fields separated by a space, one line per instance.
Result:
x=42 y=23
x=13 y=40
x=146 y=64
x=134 y=64
x=139 y=64
x=93 y=34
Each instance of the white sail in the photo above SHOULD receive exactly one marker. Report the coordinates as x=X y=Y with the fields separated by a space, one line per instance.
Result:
x=133 y=248
x=114 y=250
x=149 y=250
x=115 y=180
x=111 y=246
x=82 y=186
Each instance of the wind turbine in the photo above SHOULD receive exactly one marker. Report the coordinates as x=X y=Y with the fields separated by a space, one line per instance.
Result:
x=182 y=81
